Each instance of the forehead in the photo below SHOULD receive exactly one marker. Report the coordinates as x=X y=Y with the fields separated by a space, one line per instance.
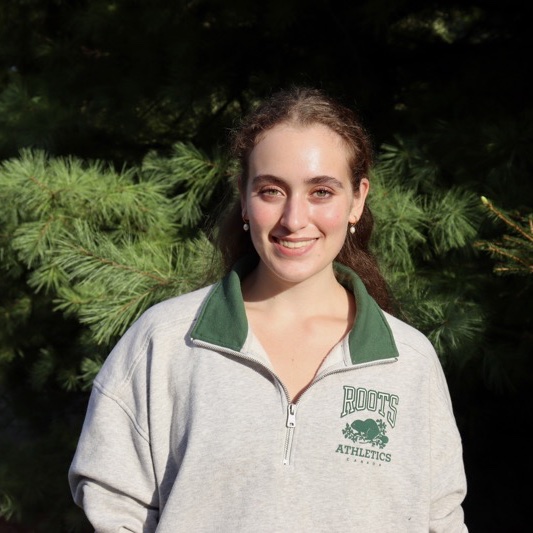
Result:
x=312 y=147
x=287 y=130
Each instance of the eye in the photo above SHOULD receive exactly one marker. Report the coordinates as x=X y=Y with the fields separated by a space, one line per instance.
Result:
x=270 y=191
x=322 y=193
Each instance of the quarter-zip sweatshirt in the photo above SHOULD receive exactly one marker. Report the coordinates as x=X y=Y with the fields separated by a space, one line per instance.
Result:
x=189 y=429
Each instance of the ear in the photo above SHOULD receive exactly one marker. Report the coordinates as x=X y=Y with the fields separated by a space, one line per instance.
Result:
x=359 y=199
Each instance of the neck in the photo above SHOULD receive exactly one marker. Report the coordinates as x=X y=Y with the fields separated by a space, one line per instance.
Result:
x=322 y=291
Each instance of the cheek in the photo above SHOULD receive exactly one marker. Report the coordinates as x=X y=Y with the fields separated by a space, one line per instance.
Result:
x=262 y=216
x=332 y=219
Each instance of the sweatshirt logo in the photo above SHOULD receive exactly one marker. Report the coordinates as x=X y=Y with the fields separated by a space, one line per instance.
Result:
x=368 y=434
x=367 y=431
x=357 y=399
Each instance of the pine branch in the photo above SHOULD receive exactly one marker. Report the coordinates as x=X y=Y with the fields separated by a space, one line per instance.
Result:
x=191 y=171
x=502 y=252
x=442 y=311
x=508 y=221
x=400 y=221
x=406 y=160
x=105 y=243
x=455 y=217
x=514 y=252
x=110 y=285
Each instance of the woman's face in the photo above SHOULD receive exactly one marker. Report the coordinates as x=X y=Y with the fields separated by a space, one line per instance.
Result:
x=299 y=200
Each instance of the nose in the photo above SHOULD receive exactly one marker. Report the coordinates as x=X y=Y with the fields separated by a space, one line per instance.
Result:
x=295 y=214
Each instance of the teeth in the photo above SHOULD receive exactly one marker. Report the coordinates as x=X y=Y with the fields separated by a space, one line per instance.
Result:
x=290 y=244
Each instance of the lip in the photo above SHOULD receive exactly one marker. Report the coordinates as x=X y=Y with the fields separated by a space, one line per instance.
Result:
x=293 y=246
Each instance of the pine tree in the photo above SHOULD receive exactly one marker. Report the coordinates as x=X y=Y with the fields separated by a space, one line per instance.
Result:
x=97 y=247
x=424 y=239
x=85 y=250
x=441 y=85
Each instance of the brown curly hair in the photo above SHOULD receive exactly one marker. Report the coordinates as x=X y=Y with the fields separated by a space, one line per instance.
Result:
x=303 y=106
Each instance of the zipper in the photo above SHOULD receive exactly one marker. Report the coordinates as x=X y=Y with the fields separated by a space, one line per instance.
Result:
x=290 y=421
x=291 y=407
x=203 y=344
x=291 y=415
x=290 y=424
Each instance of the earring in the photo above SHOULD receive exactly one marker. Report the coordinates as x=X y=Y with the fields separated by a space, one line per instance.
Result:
x=245 y=226
x=352 y=226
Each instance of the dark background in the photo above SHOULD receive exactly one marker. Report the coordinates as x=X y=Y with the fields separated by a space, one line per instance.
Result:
x=113 y=80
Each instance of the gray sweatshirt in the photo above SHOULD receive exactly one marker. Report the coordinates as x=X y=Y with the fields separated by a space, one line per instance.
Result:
x=189 y=429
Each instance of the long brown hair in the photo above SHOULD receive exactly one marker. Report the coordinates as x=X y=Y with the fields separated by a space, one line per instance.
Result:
x=304 y=106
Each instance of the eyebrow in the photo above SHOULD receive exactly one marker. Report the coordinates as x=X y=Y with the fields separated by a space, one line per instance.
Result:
x=264 y=179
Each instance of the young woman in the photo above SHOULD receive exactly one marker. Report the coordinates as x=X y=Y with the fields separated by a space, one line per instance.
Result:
x=284 y=398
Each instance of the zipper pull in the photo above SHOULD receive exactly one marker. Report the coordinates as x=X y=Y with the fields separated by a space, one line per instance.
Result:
x=291 y=415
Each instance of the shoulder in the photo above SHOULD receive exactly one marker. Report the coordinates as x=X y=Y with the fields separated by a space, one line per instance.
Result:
x=417 y=351
x=180 y=309
x=170 y=317
x=162 y=329
x=409 y=338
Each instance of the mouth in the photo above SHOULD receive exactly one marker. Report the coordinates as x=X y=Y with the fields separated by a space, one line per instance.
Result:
x=295 y=244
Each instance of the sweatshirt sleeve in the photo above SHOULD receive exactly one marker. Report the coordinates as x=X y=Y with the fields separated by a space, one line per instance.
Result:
x=448 y=480
x=111 y=476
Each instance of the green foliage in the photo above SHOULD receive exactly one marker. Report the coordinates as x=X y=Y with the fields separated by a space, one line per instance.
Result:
x=153 y=87
x=107 y=245
x=420 y=227
x=109 y=286
x=101 y=246
x=89 y=249
x=198 y=179
x=513 y=251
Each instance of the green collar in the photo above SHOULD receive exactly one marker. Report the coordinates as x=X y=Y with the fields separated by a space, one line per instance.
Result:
x=222 y=320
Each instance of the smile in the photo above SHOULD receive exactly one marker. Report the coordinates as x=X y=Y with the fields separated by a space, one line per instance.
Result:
x=292 y=244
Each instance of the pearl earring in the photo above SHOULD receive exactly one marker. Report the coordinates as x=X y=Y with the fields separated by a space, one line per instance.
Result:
x=245 y=226
x=352 y=226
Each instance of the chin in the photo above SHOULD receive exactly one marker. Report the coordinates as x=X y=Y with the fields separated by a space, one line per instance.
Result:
x=296 y=275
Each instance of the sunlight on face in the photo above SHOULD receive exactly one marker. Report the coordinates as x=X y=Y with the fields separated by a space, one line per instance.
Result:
x=299 y=200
